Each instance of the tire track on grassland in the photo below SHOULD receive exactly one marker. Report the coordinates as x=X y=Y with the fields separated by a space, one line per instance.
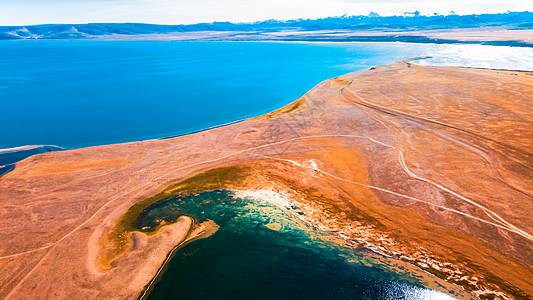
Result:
x=133 y=190
x=401 y=160
x=503 y=224
x=518 y=156
x=50 y=247
x=489 y=213
x=387 y=191
x=395 y=113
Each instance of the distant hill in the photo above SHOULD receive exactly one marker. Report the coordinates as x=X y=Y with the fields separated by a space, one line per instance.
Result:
x=372 y=22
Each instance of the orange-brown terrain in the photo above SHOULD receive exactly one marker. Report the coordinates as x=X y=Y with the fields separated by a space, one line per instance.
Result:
x=431 y=165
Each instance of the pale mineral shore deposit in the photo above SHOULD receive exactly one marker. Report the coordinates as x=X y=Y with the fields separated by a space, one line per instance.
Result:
x=430 y=165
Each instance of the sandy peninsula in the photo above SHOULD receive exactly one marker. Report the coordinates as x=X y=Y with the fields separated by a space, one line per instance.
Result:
x=431 y=165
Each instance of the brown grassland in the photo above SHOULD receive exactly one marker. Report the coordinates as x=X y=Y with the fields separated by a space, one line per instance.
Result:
x=430 y=165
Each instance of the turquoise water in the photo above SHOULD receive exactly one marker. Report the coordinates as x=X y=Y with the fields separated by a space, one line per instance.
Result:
x=248 y=258
x=82 y=93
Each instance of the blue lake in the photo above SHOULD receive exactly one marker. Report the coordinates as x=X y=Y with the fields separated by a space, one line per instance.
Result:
x=83 y=93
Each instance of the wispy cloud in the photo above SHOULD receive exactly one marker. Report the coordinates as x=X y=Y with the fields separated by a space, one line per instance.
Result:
x=192 y=11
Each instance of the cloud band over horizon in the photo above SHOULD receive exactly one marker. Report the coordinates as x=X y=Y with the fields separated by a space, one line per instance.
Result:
x=30 y=12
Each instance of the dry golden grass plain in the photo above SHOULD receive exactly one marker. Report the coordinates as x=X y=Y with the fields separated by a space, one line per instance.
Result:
x=432 y=165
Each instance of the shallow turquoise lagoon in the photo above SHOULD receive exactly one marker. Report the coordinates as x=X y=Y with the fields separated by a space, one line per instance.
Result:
x=263 y=251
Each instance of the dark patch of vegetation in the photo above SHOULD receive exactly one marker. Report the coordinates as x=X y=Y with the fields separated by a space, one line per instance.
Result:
x=213 y=179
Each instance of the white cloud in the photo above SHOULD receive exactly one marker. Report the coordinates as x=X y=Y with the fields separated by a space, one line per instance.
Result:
x=193 y=11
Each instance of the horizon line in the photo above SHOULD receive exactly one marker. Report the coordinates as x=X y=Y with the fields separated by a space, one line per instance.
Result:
x=372 y=14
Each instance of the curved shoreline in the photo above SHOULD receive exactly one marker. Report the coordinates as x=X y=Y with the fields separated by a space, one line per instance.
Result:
x=192 y=236
x=407 y=62
x=148 y=288
x=10 y=156
x=131 y=172
x=336 y=238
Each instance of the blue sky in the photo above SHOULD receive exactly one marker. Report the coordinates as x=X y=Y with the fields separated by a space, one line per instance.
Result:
x=27 y=12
